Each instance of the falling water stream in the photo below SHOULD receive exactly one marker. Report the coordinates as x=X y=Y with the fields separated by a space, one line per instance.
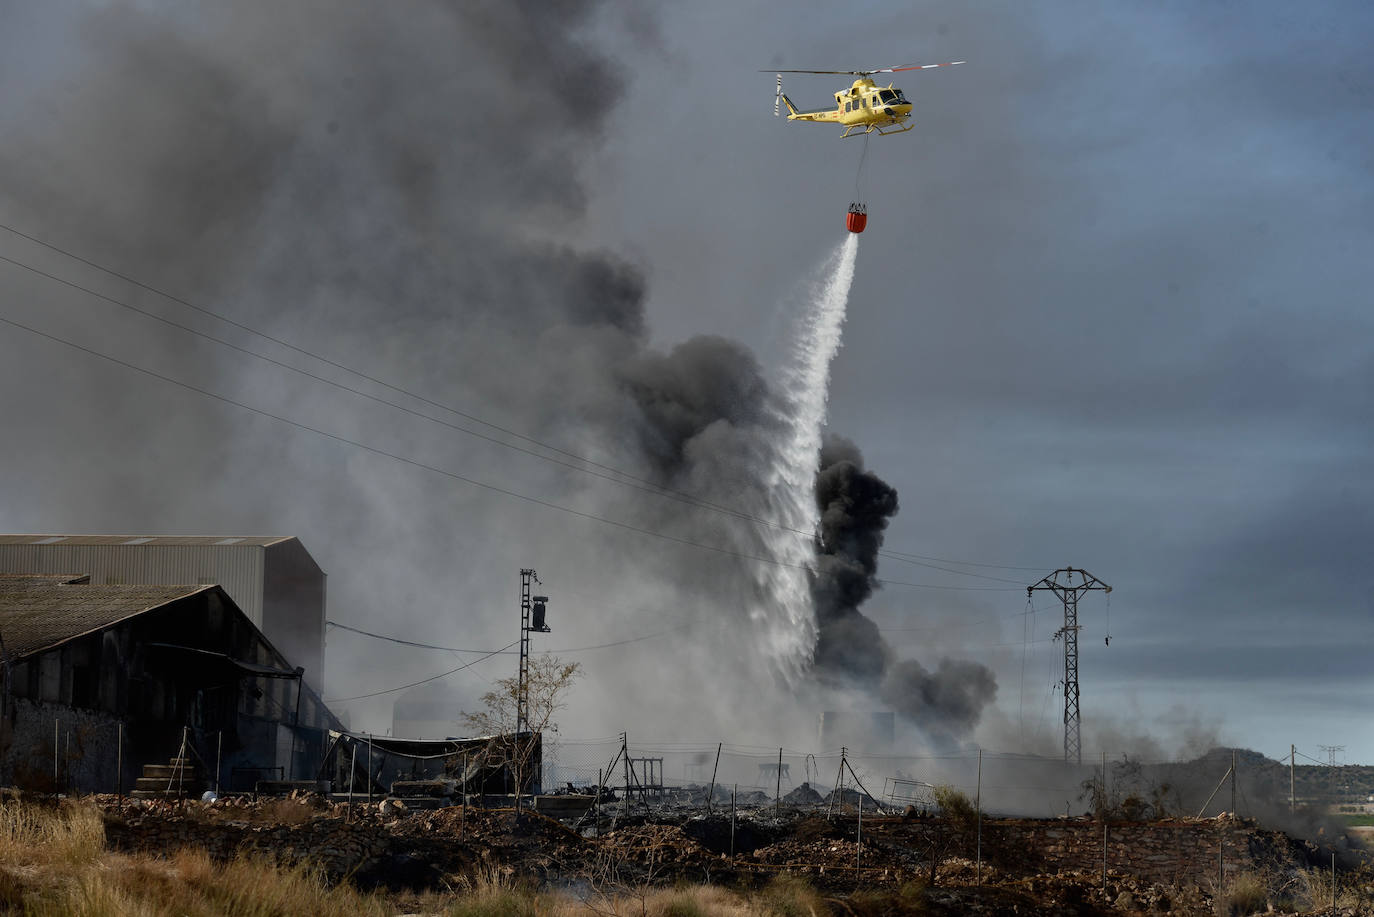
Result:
x=784 y=612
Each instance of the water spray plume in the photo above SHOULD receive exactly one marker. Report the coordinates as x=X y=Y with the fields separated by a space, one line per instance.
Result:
x=784 y=612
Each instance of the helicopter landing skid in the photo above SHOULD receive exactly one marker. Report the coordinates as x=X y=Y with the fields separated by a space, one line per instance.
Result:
x=855 y=130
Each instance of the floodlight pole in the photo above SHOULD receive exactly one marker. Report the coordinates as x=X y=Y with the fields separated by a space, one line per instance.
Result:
x=1069 y=594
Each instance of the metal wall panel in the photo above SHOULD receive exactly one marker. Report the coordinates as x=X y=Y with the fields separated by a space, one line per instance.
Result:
x=274 y=580
x=238 y=568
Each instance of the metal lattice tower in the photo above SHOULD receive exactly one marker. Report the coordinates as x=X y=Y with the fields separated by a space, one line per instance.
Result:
x=522 y=700
x=1069 y=594
x=527 y=603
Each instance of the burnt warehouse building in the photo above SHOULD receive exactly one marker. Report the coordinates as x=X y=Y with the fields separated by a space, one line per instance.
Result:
x=273 y=579
x=99 y=676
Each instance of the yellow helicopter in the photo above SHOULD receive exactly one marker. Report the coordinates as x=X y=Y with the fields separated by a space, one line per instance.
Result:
x=862 y=108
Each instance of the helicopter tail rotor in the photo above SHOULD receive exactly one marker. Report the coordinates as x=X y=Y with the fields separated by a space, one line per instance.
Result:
x=777 y=99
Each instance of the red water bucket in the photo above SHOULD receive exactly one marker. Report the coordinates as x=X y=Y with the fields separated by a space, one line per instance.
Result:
x=855 y=220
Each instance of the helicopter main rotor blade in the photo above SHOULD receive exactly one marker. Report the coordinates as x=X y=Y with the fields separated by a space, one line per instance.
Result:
x=919 y=67
x=871 y=72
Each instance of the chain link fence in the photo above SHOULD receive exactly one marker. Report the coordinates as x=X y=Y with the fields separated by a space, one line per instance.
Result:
x=1003 y=782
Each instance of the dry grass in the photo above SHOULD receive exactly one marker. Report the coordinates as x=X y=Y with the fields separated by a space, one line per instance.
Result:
x=686 y=901
x=495 y=895
x=1311 y=890
x=1247 y=894
x=48 y=835
x=789 y=896
x=190 y=884
x=498 y=896
x=53 y=862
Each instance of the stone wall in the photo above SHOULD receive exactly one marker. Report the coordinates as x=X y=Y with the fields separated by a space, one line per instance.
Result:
x=1175 y=852
x=84 y=751
x=332 y=844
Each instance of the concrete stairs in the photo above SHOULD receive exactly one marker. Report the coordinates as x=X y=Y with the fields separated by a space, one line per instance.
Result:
x=177 y=779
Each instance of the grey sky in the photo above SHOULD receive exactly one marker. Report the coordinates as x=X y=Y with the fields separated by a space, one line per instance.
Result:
x=1111 y=311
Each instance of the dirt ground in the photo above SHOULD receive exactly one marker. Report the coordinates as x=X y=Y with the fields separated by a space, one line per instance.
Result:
x=410 y=852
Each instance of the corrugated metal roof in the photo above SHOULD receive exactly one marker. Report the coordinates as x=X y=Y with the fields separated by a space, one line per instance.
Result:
x=245 y=540
x=16 y=580
x=39 y=612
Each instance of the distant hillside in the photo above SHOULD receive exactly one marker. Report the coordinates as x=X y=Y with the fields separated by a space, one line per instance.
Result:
x=1261 y=786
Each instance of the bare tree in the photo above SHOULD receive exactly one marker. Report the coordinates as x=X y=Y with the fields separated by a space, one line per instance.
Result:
x=548 y=683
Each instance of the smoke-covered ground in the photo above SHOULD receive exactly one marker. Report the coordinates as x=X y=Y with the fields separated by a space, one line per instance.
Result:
x=398 y=189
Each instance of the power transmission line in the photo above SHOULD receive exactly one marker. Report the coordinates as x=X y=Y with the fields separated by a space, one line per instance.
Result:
x=607 y=473
x=423 y=646
x=453 y=649
x=453 y=474
x=944 y=560
x=337 y=700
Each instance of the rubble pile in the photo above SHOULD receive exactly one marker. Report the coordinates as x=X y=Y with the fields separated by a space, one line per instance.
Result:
x=313 y=833
x=655 y=845
x=804 y=795
x=850 y=798
x=1162 y=867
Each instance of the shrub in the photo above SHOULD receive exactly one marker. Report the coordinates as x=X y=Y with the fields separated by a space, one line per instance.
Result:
x=955 y=806
x=70 y=833
x=1248 y=894
x=789 y=896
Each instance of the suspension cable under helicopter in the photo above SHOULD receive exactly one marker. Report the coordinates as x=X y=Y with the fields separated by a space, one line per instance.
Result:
x=861 y=174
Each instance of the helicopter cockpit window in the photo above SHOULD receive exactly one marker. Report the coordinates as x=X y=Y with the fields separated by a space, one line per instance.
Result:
x=888 y=95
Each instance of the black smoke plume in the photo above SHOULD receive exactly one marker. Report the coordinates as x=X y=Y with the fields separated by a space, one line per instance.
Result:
x=855 y=506
x=691 y=398
x=400 y=186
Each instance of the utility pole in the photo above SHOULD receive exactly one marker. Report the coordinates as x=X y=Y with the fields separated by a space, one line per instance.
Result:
x=1331 y=752
x=1233 y=782
x=978 y=813
x=1292 y=753
x=530 y=605
x=1061 y=583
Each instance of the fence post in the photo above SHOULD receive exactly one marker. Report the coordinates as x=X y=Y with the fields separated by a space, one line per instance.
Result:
x=1221 y=859
x=779 y=787
x=625 y=749
x=859 y=836
x=352 y=767
x=1104 y=852
x=119 y=766
x=710 y=795
x=978 y=812
x=735 y=790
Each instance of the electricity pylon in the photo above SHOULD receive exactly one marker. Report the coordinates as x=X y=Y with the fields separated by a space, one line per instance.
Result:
x=1068 y=594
